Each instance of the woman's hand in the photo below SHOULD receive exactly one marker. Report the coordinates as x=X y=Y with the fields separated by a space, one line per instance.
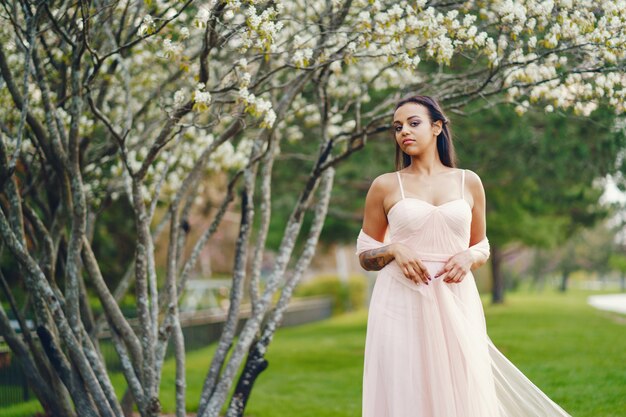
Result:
x=457 y=267
x=412 y=267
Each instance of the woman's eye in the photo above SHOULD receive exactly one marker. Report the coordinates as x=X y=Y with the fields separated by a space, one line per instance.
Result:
x=414 y=123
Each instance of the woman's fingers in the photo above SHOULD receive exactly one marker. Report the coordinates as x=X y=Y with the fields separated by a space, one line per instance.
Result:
x=449 y=278
x=460 y=277
x=410 y=273
x=415 y=273
x=446 y=268
x=455 y=275
x=405 y=271
x=423 y=272
x=421 y=275
x=449 y=273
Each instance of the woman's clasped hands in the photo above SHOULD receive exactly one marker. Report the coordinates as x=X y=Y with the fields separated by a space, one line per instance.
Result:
x=454 y=270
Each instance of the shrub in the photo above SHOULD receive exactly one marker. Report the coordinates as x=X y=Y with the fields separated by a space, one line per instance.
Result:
x=346 y=297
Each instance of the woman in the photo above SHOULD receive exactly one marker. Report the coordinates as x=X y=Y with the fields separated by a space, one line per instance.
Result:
x=427 y=353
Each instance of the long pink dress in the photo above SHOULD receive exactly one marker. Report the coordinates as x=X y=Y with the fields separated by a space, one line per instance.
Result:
x=427 y=353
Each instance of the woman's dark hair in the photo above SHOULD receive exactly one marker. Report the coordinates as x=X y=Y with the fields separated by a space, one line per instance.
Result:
x=445 y=147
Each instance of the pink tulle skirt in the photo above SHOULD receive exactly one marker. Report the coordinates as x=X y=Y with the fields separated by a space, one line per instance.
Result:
x=427 y=354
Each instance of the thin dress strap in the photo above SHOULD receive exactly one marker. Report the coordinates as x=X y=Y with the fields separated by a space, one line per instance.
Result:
x=463 y=184
x=400 y=182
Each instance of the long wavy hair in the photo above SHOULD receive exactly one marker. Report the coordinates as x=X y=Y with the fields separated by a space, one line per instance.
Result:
x=445 y=147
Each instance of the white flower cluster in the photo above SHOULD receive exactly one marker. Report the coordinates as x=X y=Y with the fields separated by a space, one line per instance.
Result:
x=147 y=26
x=556 y=54
x=337 y=125
x=302 y=57
x=595 y=29
x=227 y=157
x=202 y=17
x=402 y=30
x=261 y=29
x=258 y=107
x=201 y=98
x=179 y=98
x=303 y=116
x=170 y=49
x=175 y=162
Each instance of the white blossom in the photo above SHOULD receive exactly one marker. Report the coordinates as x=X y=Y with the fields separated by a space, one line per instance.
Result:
x=202 y=97
x=244 y=79
x=202 y=17
x=335 y=67
x=170 y=48
x=269 y=118
x=179 y=98
x=302 y=57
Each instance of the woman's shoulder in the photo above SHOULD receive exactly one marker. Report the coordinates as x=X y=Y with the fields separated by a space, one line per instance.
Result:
x=386 y=177
x=471 y=177
x=473 y=183
x=384 y=182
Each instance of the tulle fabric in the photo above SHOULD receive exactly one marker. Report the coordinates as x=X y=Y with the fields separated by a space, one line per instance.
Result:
x=427 y=353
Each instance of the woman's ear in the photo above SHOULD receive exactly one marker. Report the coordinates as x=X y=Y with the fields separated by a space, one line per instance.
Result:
x=437 y=127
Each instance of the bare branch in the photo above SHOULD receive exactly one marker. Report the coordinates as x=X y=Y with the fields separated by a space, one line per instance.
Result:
x=239 y=273
x=33 y=123
x=256 y=361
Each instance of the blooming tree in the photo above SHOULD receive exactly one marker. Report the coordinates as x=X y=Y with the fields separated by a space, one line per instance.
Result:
x=143 y=101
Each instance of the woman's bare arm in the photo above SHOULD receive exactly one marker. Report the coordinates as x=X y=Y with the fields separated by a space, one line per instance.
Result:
x=375 y=226
x=376 y=259
x=479 y=222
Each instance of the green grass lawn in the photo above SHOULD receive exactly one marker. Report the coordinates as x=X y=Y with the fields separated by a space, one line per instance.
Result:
x=574 y=353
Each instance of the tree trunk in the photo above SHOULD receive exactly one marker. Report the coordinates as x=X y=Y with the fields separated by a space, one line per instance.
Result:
x=538 y=273
x=255 y=364
x=127 y=404
x=564 y=279
x=497 y=292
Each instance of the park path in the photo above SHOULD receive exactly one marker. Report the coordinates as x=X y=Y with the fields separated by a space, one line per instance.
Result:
x=610 y=302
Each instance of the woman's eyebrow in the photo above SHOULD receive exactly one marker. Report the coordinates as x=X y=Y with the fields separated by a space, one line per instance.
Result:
x=408 y=118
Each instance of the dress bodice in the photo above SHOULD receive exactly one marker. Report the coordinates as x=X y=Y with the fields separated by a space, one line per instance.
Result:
x=429 y=229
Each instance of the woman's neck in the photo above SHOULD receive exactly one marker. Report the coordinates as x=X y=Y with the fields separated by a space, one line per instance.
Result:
x=426 y=165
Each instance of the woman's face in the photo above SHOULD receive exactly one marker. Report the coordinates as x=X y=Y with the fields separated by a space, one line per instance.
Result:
x=413 y=129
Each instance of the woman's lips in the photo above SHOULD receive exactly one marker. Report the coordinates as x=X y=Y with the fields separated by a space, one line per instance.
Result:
x=406 y=141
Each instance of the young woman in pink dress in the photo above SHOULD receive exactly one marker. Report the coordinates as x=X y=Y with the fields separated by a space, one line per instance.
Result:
x=427 y=353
